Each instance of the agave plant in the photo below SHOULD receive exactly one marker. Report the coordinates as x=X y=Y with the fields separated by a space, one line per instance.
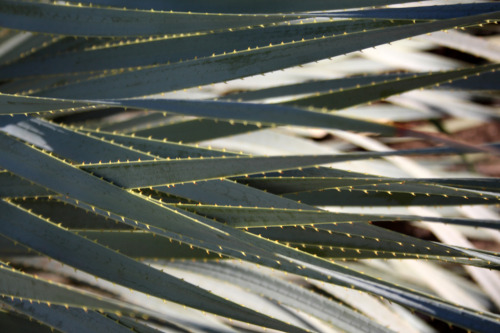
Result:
x=230 y=166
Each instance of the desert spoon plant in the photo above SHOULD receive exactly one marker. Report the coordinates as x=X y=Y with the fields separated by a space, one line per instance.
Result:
x=158 y=173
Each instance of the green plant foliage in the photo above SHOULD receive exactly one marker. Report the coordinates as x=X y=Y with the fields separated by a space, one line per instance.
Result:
x=159 y=173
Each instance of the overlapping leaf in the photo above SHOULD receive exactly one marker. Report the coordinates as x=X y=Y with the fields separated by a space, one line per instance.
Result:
x=162 y=200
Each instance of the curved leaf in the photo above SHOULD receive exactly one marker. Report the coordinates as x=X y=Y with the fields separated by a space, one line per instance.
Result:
x=286 y=293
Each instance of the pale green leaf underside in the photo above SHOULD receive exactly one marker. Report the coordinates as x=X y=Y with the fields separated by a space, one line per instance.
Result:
x=286 y=293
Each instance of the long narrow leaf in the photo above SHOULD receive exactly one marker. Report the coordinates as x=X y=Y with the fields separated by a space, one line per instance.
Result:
x=426 y=12
x=165 y=50
x=92 y=21
x=68 y=248
x=245 y=6
x=235 y=65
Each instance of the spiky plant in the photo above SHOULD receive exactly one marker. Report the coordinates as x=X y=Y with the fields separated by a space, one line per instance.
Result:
x=122 y=210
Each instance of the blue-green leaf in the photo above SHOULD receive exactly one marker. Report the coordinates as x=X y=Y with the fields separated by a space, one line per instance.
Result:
x=245 y=6
x=88 y=256
x=425 y=12
x=67 y=19
x=236 y=65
